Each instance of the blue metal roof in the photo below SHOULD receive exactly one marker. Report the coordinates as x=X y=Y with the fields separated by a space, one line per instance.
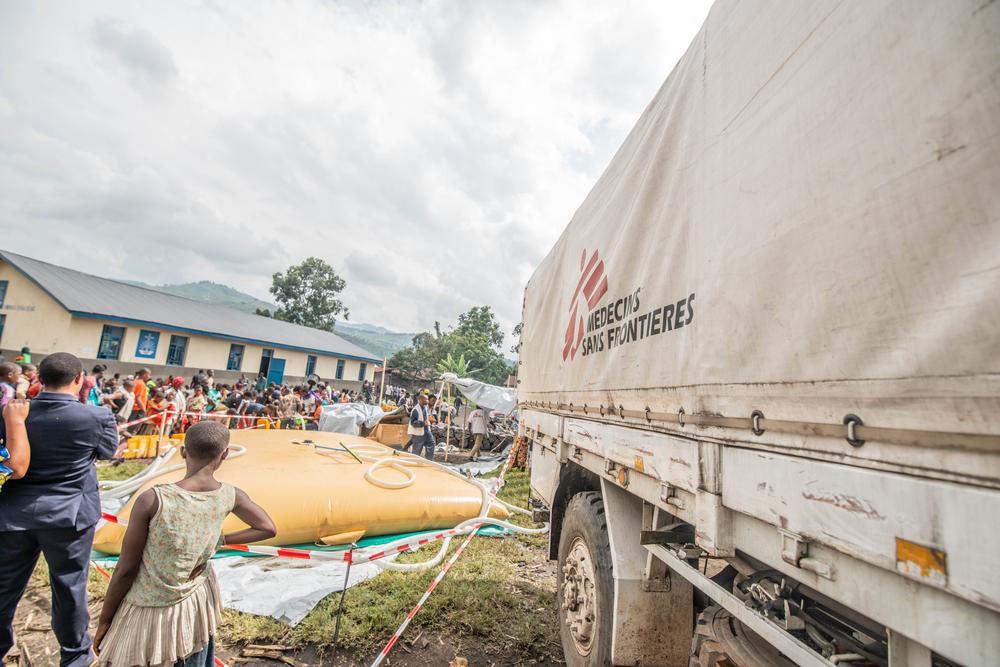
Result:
x=84 y=295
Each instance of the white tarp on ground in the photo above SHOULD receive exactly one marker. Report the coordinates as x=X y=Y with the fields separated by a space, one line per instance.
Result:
x=806 y=221
x=349 y=417
x=501 y=399
x=283 y=588
x=484 y=465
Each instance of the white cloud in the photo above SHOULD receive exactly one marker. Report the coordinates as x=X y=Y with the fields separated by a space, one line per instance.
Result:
x=136 y=49
x=432 y=152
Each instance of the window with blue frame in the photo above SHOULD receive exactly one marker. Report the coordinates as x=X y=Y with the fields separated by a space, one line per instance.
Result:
x=177 y=351
x=310 y=364
x=235 y=362
x=362 y=371
x=340 y=369
x=3 y=292
x=111 y=342
x=148 y=342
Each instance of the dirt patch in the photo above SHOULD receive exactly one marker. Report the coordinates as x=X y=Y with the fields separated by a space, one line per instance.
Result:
x=417 y=649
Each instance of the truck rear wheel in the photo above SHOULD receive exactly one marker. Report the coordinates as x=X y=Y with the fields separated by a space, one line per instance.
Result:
x=586 y=587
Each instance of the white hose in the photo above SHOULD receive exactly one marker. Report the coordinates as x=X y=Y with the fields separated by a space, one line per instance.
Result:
x=463 y=528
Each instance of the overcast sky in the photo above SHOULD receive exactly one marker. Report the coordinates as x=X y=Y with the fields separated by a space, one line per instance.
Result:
x=432 y=152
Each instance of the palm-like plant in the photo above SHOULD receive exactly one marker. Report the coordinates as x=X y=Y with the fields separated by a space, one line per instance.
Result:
x=459 y=367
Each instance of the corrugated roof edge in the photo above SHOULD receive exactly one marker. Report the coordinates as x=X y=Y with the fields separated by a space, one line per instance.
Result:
x=13 y=258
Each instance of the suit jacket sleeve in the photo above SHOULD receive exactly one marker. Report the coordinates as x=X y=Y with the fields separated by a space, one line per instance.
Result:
x=107 y=443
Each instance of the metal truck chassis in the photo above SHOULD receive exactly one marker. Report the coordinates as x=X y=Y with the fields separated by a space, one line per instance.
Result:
x=859 y=536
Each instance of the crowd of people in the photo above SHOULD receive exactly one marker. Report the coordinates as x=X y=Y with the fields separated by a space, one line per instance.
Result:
x=143 y=405
x=173 y=403
x=162 y=605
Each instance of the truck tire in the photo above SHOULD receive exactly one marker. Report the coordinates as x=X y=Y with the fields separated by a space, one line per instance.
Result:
x=586 y=587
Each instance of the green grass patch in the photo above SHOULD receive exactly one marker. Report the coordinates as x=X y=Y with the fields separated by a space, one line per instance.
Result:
x=115 y=472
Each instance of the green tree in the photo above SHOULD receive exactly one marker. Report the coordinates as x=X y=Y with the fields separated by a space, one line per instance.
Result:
x=423 y=354
x=480 y=320
x=516 y=335
x=476 y=339
x=308 y=294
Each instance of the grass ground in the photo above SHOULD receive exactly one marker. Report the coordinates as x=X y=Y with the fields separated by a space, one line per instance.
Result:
x=115 y=472
x=500 y=596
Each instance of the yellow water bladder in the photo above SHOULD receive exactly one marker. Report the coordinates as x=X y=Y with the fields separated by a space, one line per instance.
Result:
x=317 y=492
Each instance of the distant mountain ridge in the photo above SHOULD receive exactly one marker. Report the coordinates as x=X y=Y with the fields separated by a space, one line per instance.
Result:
x=375 y=339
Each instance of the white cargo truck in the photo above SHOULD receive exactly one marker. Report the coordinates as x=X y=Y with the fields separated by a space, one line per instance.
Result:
x=760 y=369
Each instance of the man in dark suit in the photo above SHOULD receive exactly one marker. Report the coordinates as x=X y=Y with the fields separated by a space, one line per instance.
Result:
x=55 y=507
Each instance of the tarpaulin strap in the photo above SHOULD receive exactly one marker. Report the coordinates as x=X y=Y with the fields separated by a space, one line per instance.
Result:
x=107 y=575
x=851 y=427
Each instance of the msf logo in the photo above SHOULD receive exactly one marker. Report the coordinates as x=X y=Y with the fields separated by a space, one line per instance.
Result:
x=593 y=285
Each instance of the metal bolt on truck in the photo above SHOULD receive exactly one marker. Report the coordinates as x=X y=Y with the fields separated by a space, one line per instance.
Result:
x=760 y=369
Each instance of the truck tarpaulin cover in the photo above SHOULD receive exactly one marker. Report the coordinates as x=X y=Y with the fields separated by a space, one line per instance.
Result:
x=805 y=220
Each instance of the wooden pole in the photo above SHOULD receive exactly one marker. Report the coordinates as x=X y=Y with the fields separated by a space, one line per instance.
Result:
x=447 y=426
x=381 y=390
x=163 y=426
x=441 y=398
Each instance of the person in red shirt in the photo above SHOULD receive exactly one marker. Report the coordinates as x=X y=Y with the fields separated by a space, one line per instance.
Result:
x=90 y=391
x=155 y=408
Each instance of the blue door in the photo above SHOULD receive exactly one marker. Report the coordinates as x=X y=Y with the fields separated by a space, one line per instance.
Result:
x=276 y=371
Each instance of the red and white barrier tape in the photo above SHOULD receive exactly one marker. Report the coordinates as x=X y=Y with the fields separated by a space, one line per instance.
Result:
x=202 y=415
x=126 y=425
x=444 y=570
x=107 y=575
x=423 y=599
x=345 y=556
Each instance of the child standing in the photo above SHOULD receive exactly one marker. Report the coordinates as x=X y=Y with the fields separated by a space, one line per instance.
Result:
x=162 y=606
x=9 y=375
